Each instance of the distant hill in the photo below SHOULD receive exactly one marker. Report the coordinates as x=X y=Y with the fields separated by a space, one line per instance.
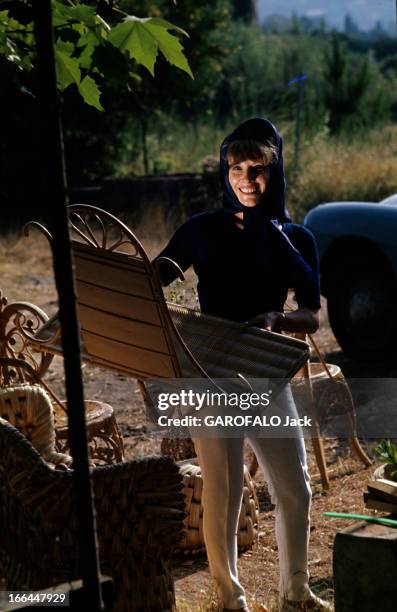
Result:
x=364 y=12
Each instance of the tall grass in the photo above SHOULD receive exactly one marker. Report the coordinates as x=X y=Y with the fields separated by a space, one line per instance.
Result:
x=175 y=147
x=363 y=169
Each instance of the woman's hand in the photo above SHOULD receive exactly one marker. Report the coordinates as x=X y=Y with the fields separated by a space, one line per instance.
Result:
x=302 y=320
x=272 y=321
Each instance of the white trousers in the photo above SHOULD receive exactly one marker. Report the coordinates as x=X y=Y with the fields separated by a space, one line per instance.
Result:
x=284 y=464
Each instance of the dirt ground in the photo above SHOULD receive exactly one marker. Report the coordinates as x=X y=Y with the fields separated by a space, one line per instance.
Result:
x=26 y=274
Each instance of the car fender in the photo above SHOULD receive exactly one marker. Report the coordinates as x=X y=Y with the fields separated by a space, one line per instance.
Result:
x=369 y=225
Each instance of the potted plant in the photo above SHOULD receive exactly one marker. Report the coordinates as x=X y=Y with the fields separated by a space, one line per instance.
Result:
x=387 y=451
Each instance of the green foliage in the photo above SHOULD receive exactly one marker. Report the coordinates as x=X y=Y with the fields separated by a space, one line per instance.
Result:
x=16 y=40
x=82 y=37
x=244 y=9
x=143 y=38
x=256 y=70
x=387 y=451
x=184 y=97
x=345 y=86
x=356 y=94
x=173 y=146
x=107 y=59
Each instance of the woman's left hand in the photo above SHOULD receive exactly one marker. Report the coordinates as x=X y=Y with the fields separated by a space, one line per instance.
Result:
x=302 y=320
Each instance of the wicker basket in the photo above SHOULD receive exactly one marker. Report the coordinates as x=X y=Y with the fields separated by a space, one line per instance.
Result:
x=193 y=540
x=332 y=398
x=178 y=448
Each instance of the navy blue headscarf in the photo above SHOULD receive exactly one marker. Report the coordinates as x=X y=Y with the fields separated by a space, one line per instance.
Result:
x=269 y=220
x=271 y=205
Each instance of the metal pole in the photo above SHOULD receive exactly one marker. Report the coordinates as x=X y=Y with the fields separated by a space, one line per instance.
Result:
x=51 y=141
x=299 y=81
x=298 y=126
x=144 y=144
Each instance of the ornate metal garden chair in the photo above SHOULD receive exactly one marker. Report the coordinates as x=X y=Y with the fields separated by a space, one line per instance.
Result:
x=22 y=365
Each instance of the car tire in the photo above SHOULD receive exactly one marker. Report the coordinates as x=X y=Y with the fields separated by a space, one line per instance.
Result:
x=362 y=304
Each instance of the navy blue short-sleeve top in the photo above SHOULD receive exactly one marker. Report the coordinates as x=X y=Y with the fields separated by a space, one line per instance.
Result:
x=240 y=275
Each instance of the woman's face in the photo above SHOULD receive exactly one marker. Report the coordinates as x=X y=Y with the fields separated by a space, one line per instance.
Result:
x=248 y=179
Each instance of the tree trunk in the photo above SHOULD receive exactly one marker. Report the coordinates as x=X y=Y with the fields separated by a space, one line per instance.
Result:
x=245 y=10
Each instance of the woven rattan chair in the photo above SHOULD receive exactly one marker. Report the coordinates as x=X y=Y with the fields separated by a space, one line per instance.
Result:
x=139 y=510
x=22 y=366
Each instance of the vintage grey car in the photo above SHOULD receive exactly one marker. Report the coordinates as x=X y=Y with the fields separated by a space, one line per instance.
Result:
x=357 y=244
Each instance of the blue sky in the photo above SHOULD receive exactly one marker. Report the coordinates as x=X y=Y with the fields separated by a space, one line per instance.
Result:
x=364 y=12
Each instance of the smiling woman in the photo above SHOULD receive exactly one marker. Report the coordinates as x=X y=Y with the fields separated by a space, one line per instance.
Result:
x=248 y=180
x=249 y=171
x=246 y=256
